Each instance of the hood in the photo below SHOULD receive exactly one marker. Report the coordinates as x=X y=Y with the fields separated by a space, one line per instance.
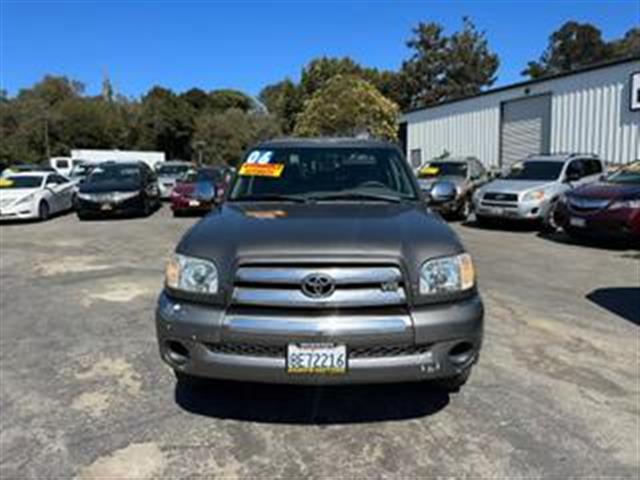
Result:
x=11 y=194
x=515 y=186
x=184 y=188
x=112 y=186
x=607 y=191
x=427 y=183
x=337 y=232
x=169 y=178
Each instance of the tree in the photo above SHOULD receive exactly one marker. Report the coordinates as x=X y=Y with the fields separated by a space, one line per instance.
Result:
x=348 y=105
x=225 y=136
x=284 y=101
x=444 y=68
x=627 y=46
x=572 y=46
x=225 y=99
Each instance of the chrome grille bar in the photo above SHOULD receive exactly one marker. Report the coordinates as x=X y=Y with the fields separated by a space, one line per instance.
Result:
x=295 y=275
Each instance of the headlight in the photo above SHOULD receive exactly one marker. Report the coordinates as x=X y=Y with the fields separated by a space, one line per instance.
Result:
x=28 y=198
x=191 y=274
x=625 y=204
x=532 y=196
x=122 y=196
x=447 y=274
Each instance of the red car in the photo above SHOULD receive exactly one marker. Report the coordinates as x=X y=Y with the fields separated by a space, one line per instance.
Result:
x=609 y=208
x=198 y=191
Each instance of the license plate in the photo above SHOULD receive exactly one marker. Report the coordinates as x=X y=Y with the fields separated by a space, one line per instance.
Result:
x=497 y=210
x=106 y=206
x=577 y=222
x=316 y=359
x=194 y=203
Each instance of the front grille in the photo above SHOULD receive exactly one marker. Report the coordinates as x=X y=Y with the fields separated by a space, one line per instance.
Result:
x=580 y=204
x=279 y=351
x=284 y=286
x=500 y=197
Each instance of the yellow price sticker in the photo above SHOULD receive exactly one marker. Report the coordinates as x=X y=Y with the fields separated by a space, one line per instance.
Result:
x=431 y=170
x=5 y=182
x=273 y=170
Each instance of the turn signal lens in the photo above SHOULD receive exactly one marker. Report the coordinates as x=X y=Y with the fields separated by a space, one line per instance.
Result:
x=467 y=272
x=172 y=273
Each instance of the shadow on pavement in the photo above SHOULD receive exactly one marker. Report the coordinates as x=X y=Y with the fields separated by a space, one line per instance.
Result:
x=507 y=225
x=621 y=301
x=289 y=404
x=612 y=244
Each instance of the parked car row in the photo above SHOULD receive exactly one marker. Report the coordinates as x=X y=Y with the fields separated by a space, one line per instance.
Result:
x=573 y=192
x=122 y=188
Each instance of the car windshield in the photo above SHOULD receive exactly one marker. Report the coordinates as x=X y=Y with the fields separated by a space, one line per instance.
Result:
x=114 y=173
x=80 y=171
x=21 y=181
x=443 y=169
x=535 y=170
x=628 y=174
x=301 y=174
x=203 y=175
x=173 y=170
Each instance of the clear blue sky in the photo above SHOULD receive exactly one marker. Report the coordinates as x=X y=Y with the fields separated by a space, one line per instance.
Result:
x=247 y=45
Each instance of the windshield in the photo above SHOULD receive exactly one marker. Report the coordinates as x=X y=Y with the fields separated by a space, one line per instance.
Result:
x=203 y=175
x=115 y=173
x=173 y=170
x=443 y=169
x=80 y=171
x=535 y=170
x=308 y=173
x=628 y=174
x=23 y=181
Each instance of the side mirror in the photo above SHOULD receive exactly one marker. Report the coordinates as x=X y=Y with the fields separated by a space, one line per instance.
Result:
x=442 y=192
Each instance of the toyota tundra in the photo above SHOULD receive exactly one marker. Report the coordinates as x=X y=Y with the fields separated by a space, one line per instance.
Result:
x=324 y=265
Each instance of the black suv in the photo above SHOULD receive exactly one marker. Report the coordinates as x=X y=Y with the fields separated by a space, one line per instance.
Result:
x=118 y=188
x=324 y=265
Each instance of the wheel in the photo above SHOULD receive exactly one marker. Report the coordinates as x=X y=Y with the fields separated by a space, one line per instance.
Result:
x=146 y=207
x=483 y=221
x=549 y=222
x=465 y=210
x=453 y=384
x=187 y=380
x=74 y=202
x=43 y=211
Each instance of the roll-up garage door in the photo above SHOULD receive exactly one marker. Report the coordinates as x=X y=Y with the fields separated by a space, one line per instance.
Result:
x=525 y=128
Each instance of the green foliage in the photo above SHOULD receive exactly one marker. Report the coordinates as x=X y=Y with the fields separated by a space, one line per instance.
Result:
x=225 y=136
x=444 y=68
x=285 y=101
x=347 y=105
x=576 y=45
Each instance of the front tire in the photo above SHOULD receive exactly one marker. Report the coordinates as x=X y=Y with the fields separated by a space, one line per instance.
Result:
x=465 y=210
x=549 y=223
x=43 y=211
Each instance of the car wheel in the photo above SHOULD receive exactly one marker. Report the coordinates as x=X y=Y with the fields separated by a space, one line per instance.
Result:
x=453 y=384
x=74 y=202
x=190 y=381
x=483 y=221
x=146 y=207
x=549 y=223
x=43 y=211
x=465 y=210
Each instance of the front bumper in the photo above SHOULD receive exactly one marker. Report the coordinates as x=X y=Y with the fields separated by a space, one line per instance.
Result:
x=535 y=210
x=26 y=211
x=200 y=331
x=165 y=189
x=130 y=206
x=623 y=223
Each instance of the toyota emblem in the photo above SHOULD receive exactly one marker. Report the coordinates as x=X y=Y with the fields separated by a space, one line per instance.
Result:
x=318 y=285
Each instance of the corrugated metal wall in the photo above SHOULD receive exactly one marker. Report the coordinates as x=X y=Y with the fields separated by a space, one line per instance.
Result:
x=589 y=113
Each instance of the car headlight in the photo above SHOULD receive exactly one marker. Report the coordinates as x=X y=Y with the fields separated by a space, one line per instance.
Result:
x=191 y=274
x=533 y=196
x=447 y=274
x=122 y=196
x=27 y=199
x=624 y=204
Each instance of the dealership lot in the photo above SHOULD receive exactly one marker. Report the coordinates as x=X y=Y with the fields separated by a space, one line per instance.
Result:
x=83 y=392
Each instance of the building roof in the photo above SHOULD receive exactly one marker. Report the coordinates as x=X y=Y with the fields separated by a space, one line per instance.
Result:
x=527 y=83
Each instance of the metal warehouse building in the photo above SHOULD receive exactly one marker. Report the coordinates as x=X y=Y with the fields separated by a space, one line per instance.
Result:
x=593 y=110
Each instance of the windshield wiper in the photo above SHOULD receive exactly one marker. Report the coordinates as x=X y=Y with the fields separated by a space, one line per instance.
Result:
x=358 y=196
x=272 y=197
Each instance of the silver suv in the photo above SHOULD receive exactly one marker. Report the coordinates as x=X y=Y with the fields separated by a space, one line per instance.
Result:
x=529 y=190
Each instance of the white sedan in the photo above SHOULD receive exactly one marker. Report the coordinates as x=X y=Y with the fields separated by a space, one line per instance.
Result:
x=35 y=195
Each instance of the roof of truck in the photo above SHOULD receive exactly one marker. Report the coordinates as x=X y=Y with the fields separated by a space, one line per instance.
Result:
x=324 y=142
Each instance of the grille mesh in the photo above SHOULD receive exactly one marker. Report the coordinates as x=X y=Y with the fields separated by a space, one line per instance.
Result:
x=276 y=351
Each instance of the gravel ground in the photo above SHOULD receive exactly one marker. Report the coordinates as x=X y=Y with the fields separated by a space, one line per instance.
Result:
x=84 y=394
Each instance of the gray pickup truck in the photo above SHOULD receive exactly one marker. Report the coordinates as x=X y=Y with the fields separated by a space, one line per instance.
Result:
x=323 y=266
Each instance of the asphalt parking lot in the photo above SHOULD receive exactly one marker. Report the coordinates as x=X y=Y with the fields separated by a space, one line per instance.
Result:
x=84 y=394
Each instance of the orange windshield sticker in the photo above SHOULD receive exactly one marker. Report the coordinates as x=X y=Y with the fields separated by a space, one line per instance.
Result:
x=273 y=170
